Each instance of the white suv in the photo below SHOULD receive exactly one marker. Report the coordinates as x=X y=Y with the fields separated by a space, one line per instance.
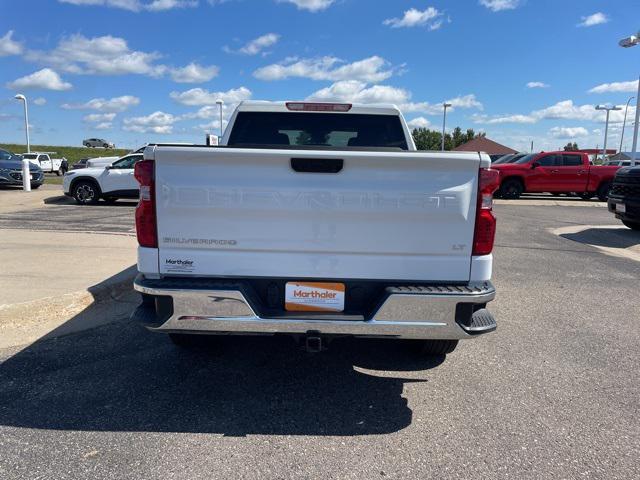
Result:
x=89 y=185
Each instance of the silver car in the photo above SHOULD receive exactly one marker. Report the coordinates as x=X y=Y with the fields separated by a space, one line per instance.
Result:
x=97 y=142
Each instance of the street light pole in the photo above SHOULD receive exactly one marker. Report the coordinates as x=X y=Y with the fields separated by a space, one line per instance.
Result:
x=606 y=128
x=23 y=99
x=624 y=122
x=26 y=174
x=628 y=42
x=444 y=122
x=220 y=103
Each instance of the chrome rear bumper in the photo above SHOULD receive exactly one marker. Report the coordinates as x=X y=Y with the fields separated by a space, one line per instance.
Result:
x=425 y=312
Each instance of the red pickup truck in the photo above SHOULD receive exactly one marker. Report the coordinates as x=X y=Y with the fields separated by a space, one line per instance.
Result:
x=555 y=172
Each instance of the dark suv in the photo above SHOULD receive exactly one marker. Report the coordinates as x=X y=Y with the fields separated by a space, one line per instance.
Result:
x=624 y=196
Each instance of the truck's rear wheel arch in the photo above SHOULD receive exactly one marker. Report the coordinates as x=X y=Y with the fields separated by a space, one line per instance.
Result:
x=511 y=187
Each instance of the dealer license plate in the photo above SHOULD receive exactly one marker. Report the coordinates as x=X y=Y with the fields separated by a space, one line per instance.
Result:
x=314 y=297
x=620 y=207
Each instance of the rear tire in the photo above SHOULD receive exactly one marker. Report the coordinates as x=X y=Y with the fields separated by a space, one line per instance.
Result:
x=603 y=191
x=86 y=193
x=431 y=348
x=59 y=172
x=632 y=225
x=511 y=189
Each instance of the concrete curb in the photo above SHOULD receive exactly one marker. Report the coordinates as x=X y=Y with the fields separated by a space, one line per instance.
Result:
x=114 y=286
x=109 y=301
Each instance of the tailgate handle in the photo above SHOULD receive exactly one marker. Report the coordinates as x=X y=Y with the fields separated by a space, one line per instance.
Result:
x=317 y=165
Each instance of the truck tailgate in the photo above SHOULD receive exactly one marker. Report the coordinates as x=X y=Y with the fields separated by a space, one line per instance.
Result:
x=247 y=213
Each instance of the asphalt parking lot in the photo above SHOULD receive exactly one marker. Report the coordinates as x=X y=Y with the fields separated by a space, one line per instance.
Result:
x=554 y=393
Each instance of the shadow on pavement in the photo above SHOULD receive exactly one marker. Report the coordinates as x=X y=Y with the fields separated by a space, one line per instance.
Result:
x=119 y=377
x=605 y=237
x=552 y=196
x=64 y=200
x=59 y=200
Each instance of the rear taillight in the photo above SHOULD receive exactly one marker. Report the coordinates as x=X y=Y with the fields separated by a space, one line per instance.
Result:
x=485 y=231
x=318 y=107
x=146 y=210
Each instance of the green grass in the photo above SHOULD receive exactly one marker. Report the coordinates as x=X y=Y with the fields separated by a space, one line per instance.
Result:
x=52 y=180
x=72 y=154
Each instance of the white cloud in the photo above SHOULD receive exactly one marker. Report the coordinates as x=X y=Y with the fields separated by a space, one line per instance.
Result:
x=360 y=92
x=495 y=120
x=115 y=104
x=103 y=126
x=568 y=132
x=256 y=45
x=310 y=5
x=413 y=17
x=567 y=110
x=615 y=87
x=109 y=55
x=200 y=96
x=595 y=19
x=499 y=5
x=537 y=85
x=373 y=69
x=45 y=79
x=99 y=117
x=194 y=73
x=8 y=46
x=466 y=101
x=419 y=122
x=564 y=110
x=157 y=122
x=106 y=55
x=162 y=5
x=136 y=5
x=209 y=109
x=40 y=101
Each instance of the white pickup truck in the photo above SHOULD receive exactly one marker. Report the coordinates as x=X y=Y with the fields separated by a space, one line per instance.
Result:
x=316 y=220
x=52 y=165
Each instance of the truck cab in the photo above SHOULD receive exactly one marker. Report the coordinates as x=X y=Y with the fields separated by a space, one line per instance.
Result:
x=48 y=164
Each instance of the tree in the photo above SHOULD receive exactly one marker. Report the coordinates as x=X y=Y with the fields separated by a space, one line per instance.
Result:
x=571 y=147
x=426 y=139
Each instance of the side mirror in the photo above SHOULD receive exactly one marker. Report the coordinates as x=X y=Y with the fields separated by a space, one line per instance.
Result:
x=108 y=167
x=534 y=165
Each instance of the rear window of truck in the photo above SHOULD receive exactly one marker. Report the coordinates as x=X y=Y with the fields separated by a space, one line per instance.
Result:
x=317 y=130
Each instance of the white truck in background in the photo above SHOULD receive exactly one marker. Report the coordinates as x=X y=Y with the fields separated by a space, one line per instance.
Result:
x=316 y=220
x=48 y=164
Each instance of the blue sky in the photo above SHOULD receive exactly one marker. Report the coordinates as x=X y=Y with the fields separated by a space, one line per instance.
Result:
x=133 y=71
